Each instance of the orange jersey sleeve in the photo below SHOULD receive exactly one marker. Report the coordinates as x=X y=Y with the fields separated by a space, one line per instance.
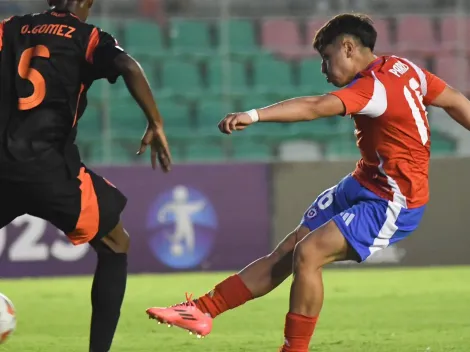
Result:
x=2 y=25
x=356 y=95
x=435 y=87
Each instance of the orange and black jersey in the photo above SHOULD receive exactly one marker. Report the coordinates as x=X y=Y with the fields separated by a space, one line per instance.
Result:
x=48 y=62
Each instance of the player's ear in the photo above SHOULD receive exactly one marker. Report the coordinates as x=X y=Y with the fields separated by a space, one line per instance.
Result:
x=348 y=46
x=86 y=3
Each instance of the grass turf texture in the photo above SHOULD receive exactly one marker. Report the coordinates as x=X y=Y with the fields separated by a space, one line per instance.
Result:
x=386 y=310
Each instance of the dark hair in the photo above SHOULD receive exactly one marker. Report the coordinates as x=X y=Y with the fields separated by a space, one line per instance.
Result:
x=55 y=2
x=357 y=25
x=60 y=3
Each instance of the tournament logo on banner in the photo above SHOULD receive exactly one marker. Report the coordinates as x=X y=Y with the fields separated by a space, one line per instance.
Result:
x=183 y=224
x=29 y=246
x=33 y=243
x=188 y=220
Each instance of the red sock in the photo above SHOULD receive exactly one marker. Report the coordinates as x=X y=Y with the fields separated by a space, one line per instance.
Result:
x=298 y=332
x=229 y=294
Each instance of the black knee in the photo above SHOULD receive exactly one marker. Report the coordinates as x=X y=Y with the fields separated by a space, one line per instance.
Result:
x=110 y=261
x=118 y=239
x=122 y=243
x=100 y=247
x=118 y=242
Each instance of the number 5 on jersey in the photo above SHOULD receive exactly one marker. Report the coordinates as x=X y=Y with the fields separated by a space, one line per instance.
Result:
x=34 y=76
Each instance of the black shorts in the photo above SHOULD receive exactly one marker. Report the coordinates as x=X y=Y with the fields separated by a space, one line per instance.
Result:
x=84 y=208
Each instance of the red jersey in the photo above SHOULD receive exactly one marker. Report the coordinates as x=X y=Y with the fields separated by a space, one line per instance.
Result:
x=387 y=102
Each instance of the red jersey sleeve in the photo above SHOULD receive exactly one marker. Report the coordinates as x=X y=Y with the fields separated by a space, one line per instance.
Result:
x=356 y=95
x=435 y=86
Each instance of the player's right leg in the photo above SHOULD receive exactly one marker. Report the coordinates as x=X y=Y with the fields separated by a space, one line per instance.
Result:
x=256 y=280
x=12 y=204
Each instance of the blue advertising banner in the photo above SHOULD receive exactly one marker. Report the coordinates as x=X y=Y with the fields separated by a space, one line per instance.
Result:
x=198 y=217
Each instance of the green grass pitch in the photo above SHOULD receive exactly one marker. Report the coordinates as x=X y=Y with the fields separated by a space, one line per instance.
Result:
x=387 y=310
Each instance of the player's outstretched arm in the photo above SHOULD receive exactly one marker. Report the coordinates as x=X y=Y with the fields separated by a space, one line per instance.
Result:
x=455 y=104
x=292 y=110
x=140 y=90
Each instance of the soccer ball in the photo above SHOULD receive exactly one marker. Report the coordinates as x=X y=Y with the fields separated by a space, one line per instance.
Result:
x=177 y=249
x=7 y=318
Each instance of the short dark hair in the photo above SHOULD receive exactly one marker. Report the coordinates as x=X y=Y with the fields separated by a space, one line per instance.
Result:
x=358 y=25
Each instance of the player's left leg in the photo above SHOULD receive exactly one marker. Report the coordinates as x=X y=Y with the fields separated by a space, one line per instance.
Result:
x=255 y=280
x=368 y=226
x=109 y=286
x=88 y=209
x=258 y=278
x=320 y=247
x=102 y=205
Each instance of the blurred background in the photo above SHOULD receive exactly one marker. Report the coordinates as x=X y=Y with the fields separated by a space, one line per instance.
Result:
x=235 y=197
x=205 y=58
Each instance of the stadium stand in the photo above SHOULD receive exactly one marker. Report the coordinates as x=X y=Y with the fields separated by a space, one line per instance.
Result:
x=198 y=80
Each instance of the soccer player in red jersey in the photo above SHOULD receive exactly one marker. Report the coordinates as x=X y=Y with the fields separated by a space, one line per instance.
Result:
x=380 y=203
x=48 y=61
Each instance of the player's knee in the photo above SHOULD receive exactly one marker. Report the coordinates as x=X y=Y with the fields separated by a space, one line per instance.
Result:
x=276 y=255
x=301 y=256
x=117 y=240
x=122 y=246
x=308 y=255
x=280 y=253
x=121 y=240
x=286 y=247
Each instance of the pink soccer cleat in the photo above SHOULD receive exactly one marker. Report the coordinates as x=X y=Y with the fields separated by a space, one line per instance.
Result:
x=184 y=315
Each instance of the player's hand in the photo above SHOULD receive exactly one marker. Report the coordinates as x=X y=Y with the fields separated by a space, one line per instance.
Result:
x=235 y=122
x=155 y=137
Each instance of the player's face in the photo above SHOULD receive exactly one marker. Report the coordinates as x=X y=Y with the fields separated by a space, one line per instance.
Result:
x=337 y=63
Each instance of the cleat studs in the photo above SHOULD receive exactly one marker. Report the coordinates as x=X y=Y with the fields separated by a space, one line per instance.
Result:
x=190 y=333
x=169 y=325
x=199 y=336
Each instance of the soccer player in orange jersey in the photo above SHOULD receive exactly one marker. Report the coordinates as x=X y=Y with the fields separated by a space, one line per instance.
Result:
x=48 y=61
x=380 y=203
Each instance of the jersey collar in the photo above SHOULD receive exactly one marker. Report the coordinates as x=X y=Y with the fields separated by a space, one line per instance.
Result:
x=64 y=12
x=369 y=67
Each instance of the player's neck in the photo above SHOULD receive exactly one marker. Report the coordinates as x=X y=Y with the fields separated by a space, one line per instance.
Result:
x=366 y=61
x=72 y=8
